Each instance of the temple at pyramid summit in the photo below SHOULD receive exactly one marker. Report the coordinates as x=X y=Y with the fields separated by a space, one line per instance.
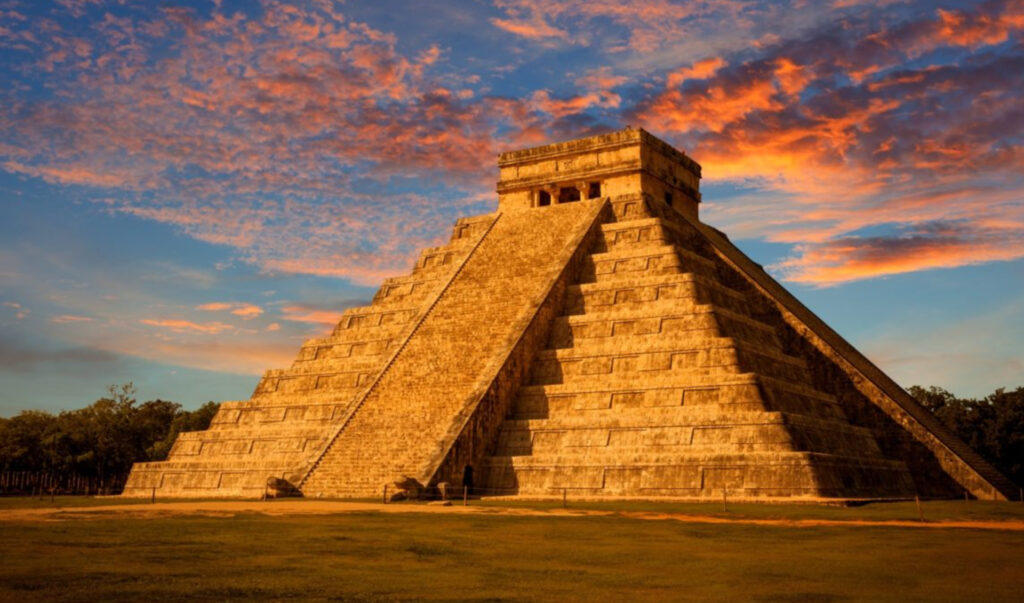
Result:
x=590 y=338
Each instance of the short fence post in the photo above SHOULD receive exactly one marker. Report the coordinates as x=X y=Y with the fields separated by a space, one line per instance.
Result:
x=152 y=499
x=565 y=495
x=385 y=498
x=465 y=496
x=725 y=499
x=920 y=512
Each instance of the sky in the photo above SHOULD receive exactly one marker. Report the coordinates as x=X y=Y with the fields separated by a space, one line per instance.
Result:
x=188 y=190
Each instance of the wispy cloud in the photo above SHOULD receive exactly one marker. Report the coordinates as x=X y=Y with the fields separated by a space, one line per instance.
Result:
x=922 y=247
x=66 y=318
x=243 y=309
x=311 y=314
x=179 y=325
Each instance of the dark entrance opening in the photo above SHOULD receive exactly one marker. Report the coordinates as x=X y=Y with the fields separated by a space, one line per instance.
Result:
x=568 y=194
x=544 y=198
x=595 y=190
x=668 y=199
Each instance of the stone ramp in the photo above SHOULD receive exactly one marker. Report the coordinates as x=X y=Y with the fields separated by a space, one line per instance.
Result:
x=413 y=412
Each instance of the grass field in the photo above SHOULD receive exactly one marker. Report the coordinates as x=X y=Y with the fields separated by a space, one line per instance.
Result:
x=373 y=556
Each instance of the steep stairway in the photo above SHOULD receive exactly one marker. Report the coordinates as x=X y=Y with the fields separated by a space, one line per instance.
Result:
x=407 y=417
x=657 y=381
x=294 y=411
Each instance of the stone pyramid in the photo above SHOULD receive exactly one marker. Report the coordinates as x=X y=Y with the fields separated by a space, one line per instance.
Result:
x=594 y=338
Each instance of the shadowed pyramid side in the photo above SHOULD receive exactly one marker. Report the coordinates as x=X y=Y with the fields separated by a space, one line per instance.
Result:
x=657 y=381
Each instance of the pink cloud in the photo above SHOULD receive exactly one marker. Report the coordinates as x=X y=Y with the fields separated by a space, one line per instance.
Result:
x=600 y=78
x=533 y=29
x=701 y=70
x=20 y=312
x=320 y=316
x=66 y=318
x=176 y=325
x=243 y=309
x=940 y=246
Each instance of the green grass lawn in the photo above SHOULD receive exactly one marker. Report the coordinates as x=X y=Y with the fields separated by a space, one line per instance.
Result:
x=373 y=557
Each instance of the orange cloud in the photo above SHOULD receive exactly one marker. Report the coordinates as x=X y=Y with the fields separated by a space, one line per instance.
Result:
x=66 y=318
x=533 y=30
x=20 y=312
x=600 y=78
x=853 y=258
x=976 y=29
x=245 y=310
x=320 y=316
x=557 y=108
x=211 y=328
x=701 y=70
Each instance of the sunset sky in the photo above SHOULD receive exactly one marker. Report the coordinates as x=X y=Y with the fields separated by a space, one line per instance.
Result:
x=188 y=190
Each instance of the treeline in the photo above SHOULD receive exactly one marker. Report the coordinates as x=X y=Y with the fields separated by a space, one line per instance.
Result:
x=993 y=425
x=93 y=448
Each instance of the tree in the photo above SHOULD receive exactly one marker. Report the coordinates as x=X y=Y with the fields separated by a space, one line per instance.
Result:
x=102 y=440
x=993 y=426
x=196 y=420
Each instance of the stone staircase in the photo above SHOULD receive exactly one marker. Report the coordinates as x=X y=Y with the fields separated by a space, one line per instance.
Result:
x=294 y=411
x=657 y=381
x=406 y=420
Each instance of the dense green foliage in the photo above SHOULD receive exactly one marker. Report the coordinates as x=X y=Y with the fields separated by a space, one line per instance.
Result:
x=101 y=440
x=993 y=425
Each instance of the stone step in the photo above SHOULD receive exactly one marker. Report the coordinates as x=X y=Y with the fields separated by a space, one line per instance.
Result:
x=751 y=474
x=683 y=343
x=638 y=432
x=683 y=289
x=648 y=232
x=653 y=357
x=658 y=320
x=291 y=428
x=365 y=317
x=334 y=384
x=630 y=263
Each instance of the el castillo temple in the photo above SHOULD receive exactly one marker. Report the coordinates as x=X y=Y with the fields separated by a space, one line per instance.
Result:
x=591 y=337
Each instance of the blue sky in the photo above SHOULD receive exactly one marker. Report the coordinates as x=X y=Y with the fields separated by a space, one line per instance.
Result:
x=189 y=190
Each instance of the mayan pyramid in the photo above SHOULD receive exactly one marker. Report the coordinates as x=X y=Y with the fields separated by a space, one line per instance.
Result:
x=592 y=338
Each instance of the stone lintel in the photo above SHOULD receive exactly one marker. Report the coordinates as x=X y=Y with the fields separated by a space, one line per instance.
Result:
x=621 y=138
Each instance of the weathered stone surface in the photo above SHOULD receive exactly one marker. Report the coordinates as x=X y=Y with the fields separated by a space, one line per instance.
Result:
x=592 y=337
